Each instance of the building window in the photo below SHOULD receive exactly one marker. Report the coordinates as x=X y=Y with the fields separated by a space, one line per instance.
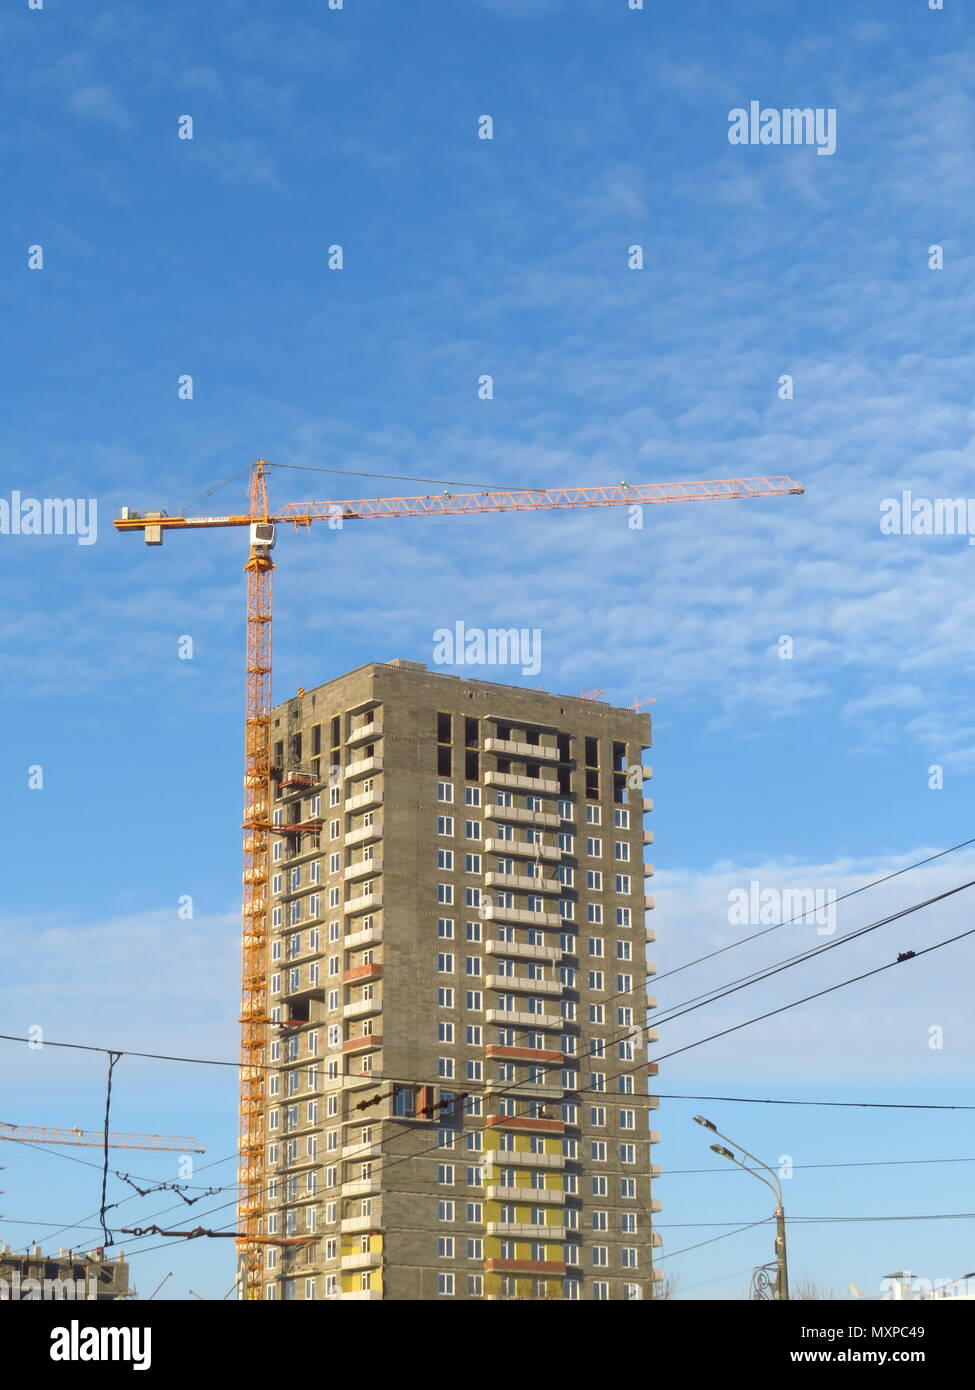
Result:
x=445 y=1284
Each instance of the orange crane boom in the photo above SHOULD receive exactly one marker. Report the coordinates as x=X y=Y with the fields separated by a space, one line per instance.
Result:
x=257 y=743
x=95 y=1139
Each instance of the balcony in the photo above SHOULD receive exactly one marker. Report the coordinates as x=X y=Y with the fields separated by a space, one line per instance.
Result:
x=520 y=951
x=654 y=1136
x=522 y=1054
x=648 y=902
x=524 y=1020
x=364 y=904
x=525 y=1124
x=368 y=1042
x=651 y=970
x=530 y=752
x=364 y=800
x=517 y=1231
x=307 y=989
x=522 y=881
x=364 y=1187
x=362 y=1153
x=362 y=1007
x=511 y=781
x=362 y=1295
x=364 y=1260
x=655 y=1170
x=361 y=1224
x=524 y=1266
x=512 y=1158
x=364 y=834
x=363 y=768
x=647 y=805
x=526 y=1196
x=655 y=1204
x=522 y=849
x=521 y=816
x=648 y=837
x=648 y=871
x=358 y=1080
x=536 y=1090
x=363 y=867
x=372 y=971
x=365 y=733
x=491 y=912
x=370 y=937
x=521 y=984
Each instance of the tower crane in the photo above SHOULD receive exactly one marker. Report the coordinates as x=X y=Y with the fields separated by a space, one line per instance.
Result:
x=96 y=1138
x=262 y=524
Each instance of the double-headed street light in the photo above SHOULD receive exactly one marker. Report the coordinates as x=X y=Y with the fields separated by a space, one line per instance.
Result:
x=781 y=1260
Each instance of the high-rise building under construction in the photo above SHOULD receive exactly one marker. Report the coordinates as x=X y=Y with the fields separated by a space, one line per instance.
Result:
x=457 y=1087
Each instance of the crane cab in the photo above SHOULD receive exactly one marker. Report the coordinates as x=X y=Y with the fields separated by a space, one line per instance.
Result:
x=263 y=536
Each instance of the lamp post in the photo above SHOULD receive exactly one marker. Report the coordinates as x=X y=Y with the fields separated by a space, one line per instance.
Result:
x=781 y=1258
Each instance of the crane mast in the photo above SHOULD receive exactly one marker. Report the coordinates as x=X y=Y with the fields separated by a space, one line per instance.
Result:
x=257 y=813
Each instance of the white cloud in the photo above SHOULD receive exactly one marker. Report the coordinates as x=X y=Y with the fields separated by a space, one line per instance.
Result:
x=876 y=1030
x=97 y=102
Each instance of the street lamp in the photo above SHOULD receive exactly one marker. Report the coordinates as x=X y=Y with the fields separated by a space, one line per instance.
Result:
x=781 y=1259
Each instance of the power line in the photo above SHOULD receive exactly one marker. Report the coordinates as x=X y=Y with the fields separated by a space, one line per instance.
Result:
x=805 y=1167
x=684 y=1288
x=963 y=844
x=766 y=972
x=687 y=1047
x=854 y=979
x=710 y=1241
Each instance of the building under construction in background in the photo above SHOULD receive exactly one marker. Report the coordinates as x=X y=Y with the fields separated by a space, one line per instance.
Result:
x=69 y=1275
x=457 y=1087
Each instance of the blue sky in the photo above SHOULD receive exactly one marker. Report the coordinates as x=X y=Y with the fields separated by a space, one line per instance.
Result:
x=508 y=257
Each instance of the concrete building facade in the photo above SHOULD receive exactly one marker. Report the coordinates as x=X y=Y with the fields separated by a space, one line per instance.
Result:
x=457 y=1097
x=69 y=1275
